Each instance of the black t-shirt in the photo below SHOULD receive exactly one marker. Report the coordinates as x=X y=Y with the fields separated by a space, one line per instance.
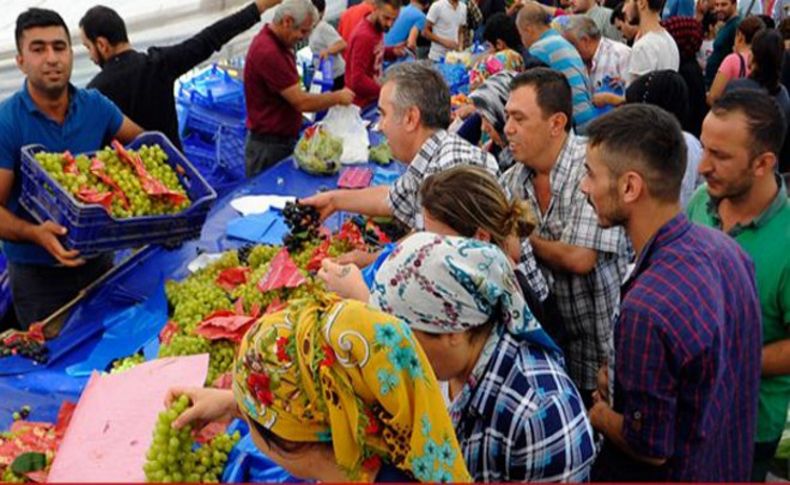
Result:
x=141 y=84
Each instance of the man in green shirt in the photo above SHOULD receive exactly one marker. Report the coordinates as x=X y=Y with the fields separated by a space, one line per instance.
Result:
x=742 y=135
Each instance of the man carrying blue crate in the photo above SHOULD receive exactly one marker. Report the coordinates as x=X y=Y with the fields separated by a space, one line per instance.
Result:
x=141 y=84
x=50 y=111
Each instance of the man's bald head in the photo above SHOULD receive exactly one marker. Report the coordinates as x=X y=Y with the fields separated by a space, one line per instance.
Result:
x=533 y=14
x=532 y=21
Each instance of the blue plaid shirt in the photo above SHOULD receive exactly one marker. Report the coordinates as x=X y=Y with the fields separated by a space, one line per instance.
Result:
x=525 y=421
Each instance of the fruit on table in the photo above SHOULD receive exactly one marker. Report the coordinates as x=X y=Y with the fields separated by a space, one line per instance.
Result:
x=318 y=152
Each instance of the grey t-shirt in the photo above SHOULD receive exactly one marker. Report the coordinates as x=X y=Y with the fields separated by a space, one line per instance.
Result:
x=322 y=37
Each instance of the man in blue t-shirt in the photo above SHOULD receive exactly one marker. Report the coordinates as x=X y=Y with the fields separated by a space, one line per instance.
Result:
x=408 y=26
x=50 y=111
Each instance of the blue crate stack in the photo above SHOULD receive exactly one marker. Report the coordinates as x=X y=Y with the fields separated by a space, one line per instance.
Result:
x=212 y=110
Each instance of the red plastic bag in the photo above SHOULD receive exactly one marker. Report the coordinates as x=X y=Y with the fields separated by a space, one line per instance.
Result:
x=151 y=186
x=93 y=196
x=70 y=165
x=283 y=273
x=97 y=169
x=167 y=333
x=230 y=278
x=319 y=254
x=225 y=325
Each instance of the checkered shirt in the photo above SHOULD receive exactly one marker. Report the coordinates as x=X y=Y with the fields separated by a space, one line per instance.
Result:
x=587 y=303
x=525 y=421
x=440 y=152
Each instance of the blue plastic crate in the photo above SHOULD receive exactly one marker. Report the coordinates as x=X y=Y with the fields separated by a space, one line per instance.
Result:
x=207 y=122
x=91 y=229
x=230 y=150
x=203 y=156
x=216 y=90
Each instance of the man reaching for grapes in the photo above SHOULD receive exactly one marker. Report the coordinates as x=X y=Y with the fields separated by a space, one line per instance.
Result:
x=50 y=111
x=415 y=113
x=141 y=84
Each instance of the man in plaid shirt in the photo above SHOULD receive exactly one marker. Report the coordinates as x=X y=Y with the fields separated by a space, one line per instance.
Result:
x=688 y=337
x=415 y=112
x=584 y=263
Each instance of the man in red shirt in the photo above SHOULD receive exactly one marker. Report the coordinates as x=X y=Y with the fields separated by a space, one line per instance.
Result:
x=366 y=52
x=275 y=98
x=352 y=17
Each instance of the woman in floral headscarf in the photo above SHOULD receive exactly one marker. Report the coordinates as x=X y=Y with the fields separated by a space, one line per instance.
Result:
x=511 y=396
x=336 y=391
x=490 y=87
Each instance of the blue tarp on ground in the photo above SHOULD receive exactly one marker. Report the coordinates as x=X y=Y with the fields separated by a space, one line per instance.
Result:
x=127 y=311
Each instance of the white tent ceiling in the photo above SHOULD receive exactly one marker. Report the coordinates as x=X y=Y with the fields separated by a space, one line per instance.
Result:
x=149 y=23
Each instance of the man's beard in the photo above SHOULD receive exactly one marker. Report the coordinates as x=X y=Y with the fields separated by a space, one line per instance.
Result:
x=734 y=190
x=610 y=213
x=50 y=90
x=381 y=28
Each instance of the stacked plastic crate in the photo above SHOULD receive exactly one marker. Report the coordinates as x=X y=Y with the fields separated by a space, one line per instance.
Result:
x=213 y=113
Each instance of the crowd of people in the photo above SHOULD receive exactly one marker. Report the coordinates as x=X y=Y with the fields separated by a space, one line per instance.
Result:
x=596 y=281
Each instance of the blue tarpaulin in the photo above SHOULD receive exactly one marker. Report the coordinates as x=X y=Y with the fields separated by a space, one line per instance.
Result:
x=125 y=314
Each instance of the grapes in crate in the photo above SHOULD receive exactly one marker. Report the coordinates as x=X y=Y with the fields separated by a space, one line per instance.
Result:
x=127 y=183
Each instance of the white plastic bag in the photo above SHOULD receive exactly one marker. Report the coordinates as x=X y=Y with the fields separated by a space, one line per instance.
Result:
x=345 y=122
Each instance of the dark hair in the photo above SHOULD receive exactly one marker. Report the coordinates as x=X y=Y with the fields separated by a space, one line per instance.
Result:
x=784 y=28
x=501 y=26
x=468 y=198
x=553 y=91
x=750 y=26
x=766 y=122
x=617 y=13
x=392 y=3
x=709 y=20
x=278 y=443
x=101 y=21
x=657 y=5
x=767 y=53
x=647 y=140
x=665 y=89
x=38 y=17
x=769 y=22
x=320 y=5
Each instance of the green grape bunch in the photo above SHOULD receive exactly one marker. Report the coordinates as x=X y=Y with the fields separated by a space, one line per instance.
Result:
x=135 y=201
x=173 y=456
x=126 y=363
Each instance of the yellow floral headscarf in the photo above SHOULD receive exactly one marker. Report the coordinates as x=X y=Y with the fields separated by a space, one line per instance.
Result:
x=340 y=371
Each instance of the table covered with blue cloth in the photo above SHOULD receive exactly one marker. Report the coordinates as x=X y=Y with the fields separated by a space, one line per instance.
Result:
x=126 y=313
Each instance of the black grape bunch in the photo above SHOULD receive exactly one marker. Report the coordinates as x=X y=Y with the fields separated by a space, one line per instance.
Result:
x=304 y=222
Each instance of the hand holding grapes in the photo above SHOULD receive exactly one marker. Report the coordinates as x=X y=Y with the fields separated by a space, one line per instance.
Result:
x=207 y=405
x=46 y=235
x=323 y=202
